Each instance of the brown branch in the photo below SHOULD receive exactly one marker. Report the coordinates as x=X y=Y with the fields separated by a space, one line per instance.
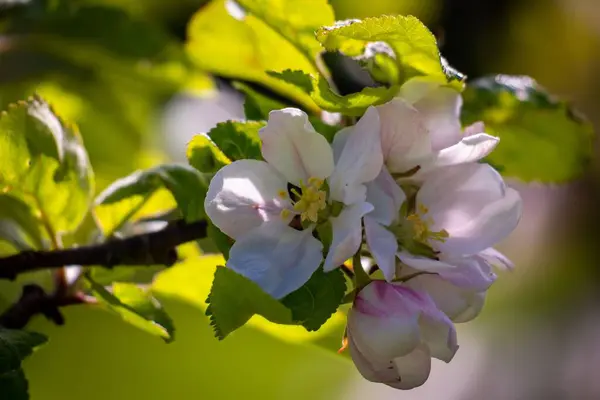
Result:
x=145 y=249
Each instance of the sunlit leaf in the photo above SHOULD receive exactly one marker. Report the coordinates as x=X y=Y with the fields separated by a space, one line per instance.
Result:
x=414 y=47
x=15 y=346
x=238 y=140
x=204 y=155
x=43 y=163
x=245 y=49
x=234 y=299
x=18 y=225
x=187 y=185
x=541 y=138
x=136 y=306
x=318 y=299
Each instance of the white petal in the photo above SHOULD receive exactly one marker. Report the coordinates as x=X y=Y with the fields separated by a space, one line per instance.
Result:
x=471 y=272
x=438 y=332
x=244 y=194
x=293 y=147
x=386 y=197
x=475 y=128
x=497 y=259
x=469 y=149
x=360 y=160
x=439 y=108
x=347 y=234
x=405 y=142
x=413 y=369
x=383 y=246
x=459 y=304
x=472 y=203
x=277 y=257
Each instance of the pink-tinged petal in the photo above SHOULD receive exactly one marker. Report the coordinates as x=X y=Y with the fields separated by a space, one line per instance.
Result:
x=347 y=234
x=497 y=259
x=405 y=142
x=475 y=128
x=439 y=108
x=413 y=369
x=384 y=323
x=459 y=304
x=293 y=147
x=386 y=197
x=244 y=194
x=383 y=246
x=469 y=149
x=439 y=334
x=277 y=257
x=472 y=203
x=359 y=162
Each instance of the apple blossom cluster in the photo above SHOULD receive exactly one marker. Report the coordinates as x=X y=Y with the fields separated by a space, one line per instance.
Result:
x=404 y=186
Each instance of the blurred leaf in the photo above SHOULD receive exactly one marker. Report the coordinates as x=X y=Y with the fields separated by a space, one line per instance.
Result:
x=18 y=225
x=295 y=20
x=15 y=346
x=234 y=299
x=238 y=140
x=413 y=45
x=187 y=185
x=45 y=164
x=353 y=104
x=204 y=155
x=257 y=105
x=136 y=306
x=219 y=43
x=542 y=139
x=318 y=299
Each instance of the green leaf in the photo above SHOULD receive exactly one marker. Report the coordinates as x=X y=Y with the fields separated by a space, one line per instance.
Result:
x=541 y=138
x=234 y=299
x=203 y=155
x=18 y=225
x=295 y=20
x=15 y=346
x=413 y=45
x=238 y=140
x=44 y=164
x=245 y=49
x=136 y=306
x=221 y=240
x=318 y=299
x=187 y=185
x=257 y=105
x=353 y=104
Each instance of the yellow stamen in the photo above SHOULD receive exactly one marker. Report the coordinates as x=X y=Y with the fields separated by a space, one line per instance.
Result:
x=421 y=224
x=283 y=194
x=311 y=199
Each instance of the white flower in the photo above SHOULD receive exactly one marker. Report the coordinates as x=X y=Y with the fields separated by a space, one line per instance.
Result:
x=393 y=331
x=459 y=212
x=421 y=128
x=254 y=201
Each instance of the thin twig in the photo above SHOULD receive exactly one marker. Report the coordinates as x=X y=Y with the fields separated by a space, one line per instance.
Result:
x=146 y=249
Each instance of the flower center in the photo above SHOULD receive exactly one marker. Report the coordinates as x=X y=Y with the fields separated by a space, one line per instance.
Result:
x=311 y=199
x=420 y=225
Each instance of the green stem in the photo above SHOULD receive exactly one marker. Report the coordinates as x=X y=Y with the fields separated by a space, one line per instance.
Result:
x=361 y=278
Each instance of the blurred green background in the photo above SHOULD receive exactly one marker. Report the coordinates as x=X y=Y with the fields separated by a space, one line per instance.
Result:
x=118 y=69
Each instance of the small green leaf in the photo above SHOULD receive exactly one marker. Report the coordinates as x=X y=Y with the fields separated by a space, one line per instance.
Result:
x=203 y=155
x=44 y=164
x=353 y=104
x=234 y=299
x=245 y=49
x=15 y=346
x=541 y=138
x=18 y=225
x=257 y=105
x=238 y=140
x=136 y=306
x=318 y=299
x=187 y=185
x=414 y=46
